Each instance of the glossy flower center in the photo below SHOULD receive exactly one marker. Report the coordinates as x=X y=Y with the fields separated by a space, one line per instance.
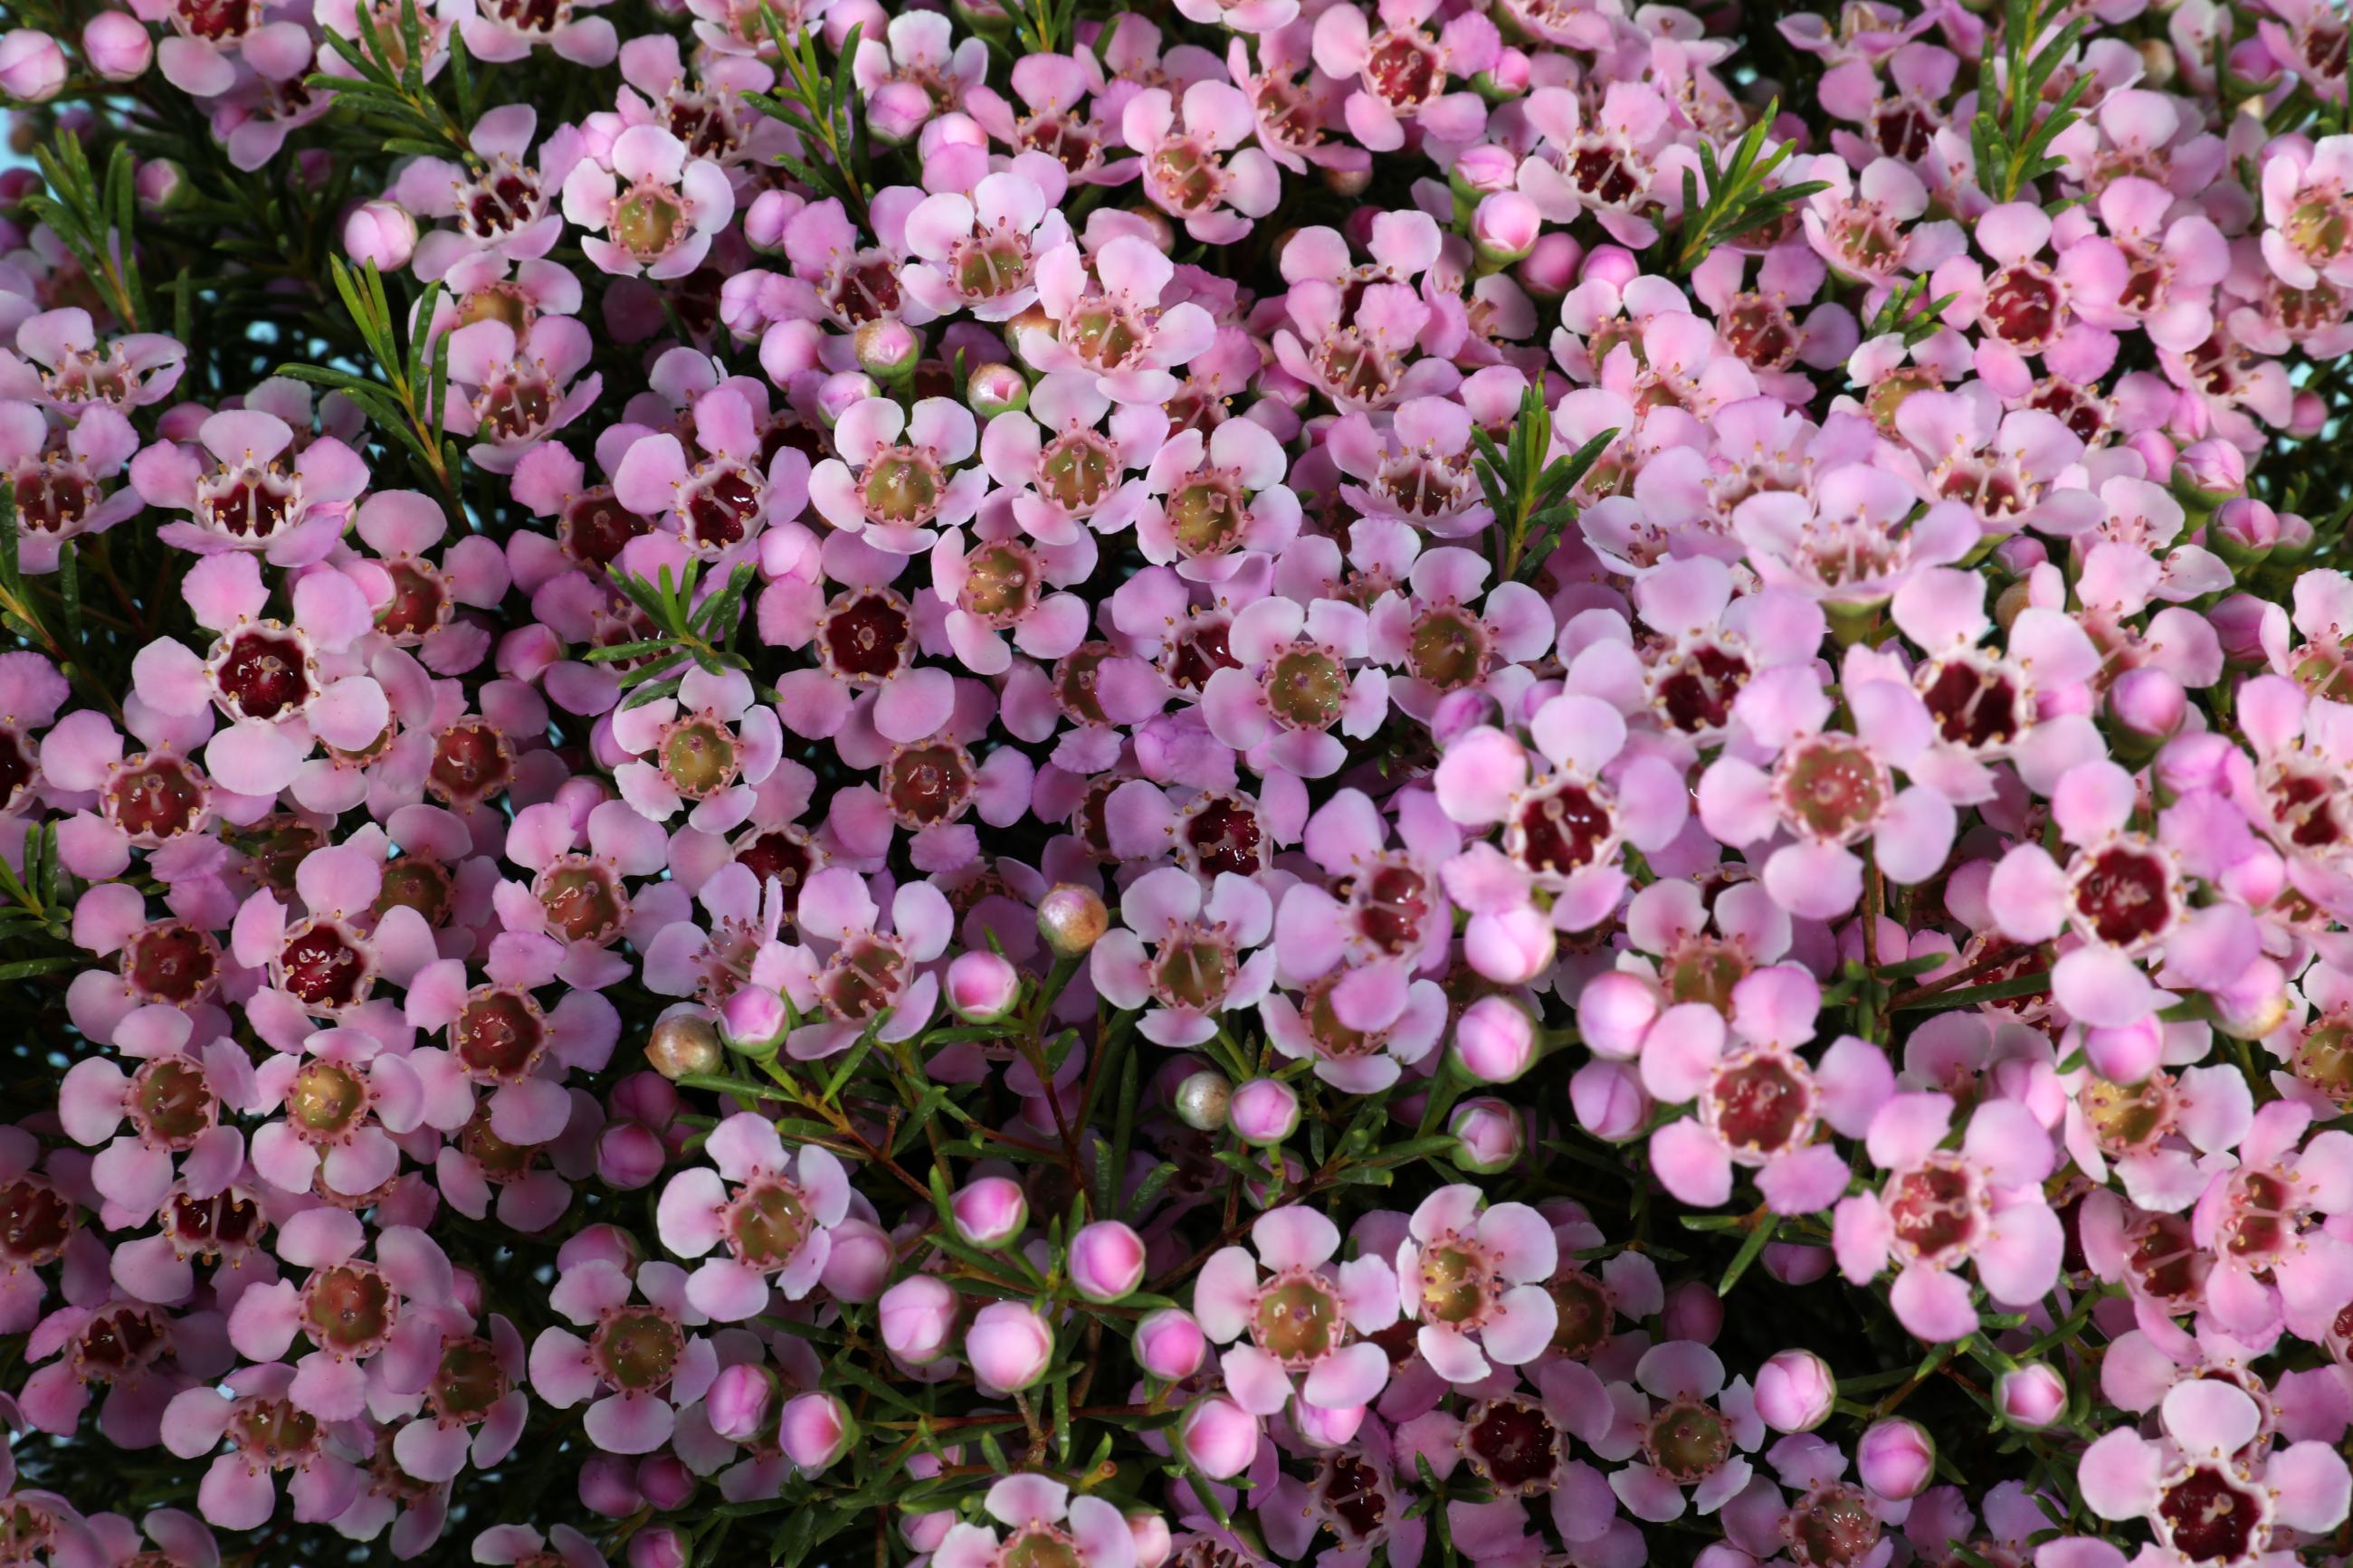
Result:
x=637 y=1349
x=1512 y=1444
x=1762 y=1105
x=348 y=1308
x=581 y=899
x=327 y=1098
x=2125 y=895
x=323 y=968
x=155 y=798
x=866 y=639
x=865 y=976
x=1562 y=831
x=1687 y=1441
x=1221 y=834
x=172 y=962
x=928 y=784
x=769 y=1224
x=1447 y=648
x=699 y=756
x=1001 y=584
x=172 y=1101
x=497 y=1035
x=2209 y=1520
x=1195 y=966
x=1298 y=1319
x=1832 y=1527
x=1834 y=789
x=903 y=485
x=1934 y=1210
x=1457 y=1281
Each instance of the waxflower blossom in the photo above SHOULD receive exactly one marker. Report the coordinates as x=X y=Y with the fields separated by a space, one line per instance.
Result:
x=775 y=1222
x=1305 y=1316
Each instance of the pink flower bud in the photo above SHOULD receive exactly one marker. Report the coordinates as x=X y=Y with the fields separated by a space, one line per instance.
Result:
x=608 y=1486
x=32 y=66
x=1216 y=1437
x=1169 y=1344
x=2157 y=450
x=1693 y=1312
x=1794 y=1391
x=1072 y=919
x=1504 y=228
x=1549 y=268
x=2238 y=621
x=117 y=46
x=657 y=1546
x=1148 y=1529
x=983 y=987
x=1609 y=1100
x=1485 y=169
x=1510 y=947
x=1488 y=1135
x=1265 y=1111
x=887 y=350
x=2307 y=416
x=2125 y=1053
x=1611 y=264
x=990 y=1211
x=682 y=1043
x=2032 y=1396
x=1496 y=1040
x=838 y=393
x=1792 y=1263
x=1512 y=71
x=1106 y=1261
x=859 y=1261
x=754 y=1021
x=2148 y=701
x=666 y=1481
x=630 y=1155
x=741 y=1399
x=997 y=388
x=381 y=232
x=918 y=1316
x=160 y=184
x=2214 y=466
x=765 y=221
x=1896 y=1459
x=2245 y=524
x=814 y=1430
x=1009 y=1345
x=1205 y=1100
x=1615 y=1012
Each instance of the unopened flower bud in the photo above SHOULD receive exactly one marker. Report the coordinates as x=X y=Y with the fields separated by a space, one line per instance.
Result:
x=754 y=1021
x=741 y=1399
x=2214 y=467
x=887 y=350
x=1482 y=170
x=814 y=1430
x=841 y=393
x=2243 y=530
x=990 y=1211
x=1549 y=269
x=2032 y=1396
x=117 y=46
x=1795 y=1263
x=1265 y=1111
x=1508 y=77
x=1794 y=1391
x=858 y=1261
x=1609 y=1099
x=1216 y=1437
x=1504 y=228
x=381 y=232
x=1072 y=919
x=2148 y=701
x=982 y=986
x=665 y=1482
x=1611 y=264
x=1204 y=1100
x=1148 y=1529
x=1615 y=1012
x=32 y=66
x=1693 y=1312
x=918 y=1316
x=2307 y=416
x=1495 y=1041
x=765 y=220
x=1009 y=1346
x=996 y=388
x=2125 y=1053
x=1488 y=1136
x=657 y=1546
x=1896 y=1459
x=1169 y=1344
x=1106 y=1261
x=160 y=184
x=630 y=1155
x=608 y=1486
x=683 y=1043
x=1321 y=1426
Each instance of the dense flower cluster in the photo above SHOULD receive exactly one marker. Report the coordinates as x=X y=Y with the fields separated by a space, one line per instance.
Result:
x=1028 y=785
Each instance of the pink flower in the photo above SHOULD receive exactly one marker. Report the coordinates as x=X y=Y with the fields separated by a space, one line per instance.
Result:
x=2308 y=211
x=265 y=1431
x=1115 y=324
x=2207 y=1489
x=638 y=1360
x=1194 y=167
x=868 y=977
x=1040 y=1516
x=979 y=252
x=1304 y=1316
x=503 y=30
x=1291 y=686
x=893 y=490
x=1940 y=1208
x=1468 y=1269
x=1183 y=955
x=247 y=499
x=656 y=208
x=1697 y=1433
x=772 y=1208
x=1403 y=70
x=60 y=491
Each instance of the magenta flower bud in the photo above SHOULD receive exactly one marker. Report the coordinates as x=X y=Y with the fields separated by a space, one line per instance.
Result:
x=1510 y=74
x=608 y=1486
x=1009 y=1345
x=2156 y=449
x=1169 y=1344
x=859 y=1261
x=2148 y=701
x=1106 y=1261
x=1504 y=228
x=117 y=46
x=765 y=221
x=918 y=1316
x=1495 y=1041
x=1896 y=1459
x=1216 y=1437
x=1609 y=1100
x=1484 y=170
x=2307 y=416
x=32 y=66
x=1549 y=269
x=1148 y=1529
x=990 y=1211
x=160 y=184
x=754 y=1021
x=630 y=1155
x=1488 y=1136
x=1265 y=1111
x=1693 y=1312
x=1615 y=1012
x=683 y=1043
x=2032 y=1396
x=1510 y=947
x=1793 y=1263
x=2238 y=622
x=666 y=1481
x=1611 y=264
x=1072 y=919
x=1205 y=1100
x=657 y=1546
x=887 y=350
x=996 y=388
x=2245 y=526
x=1794 y=1391
x=381 y=232
x=983 y=987
x=2125 y=1053
x=741 y=1399
x=2214 y=466
x=897 y=109
x=838 y=393
x=814 y=1430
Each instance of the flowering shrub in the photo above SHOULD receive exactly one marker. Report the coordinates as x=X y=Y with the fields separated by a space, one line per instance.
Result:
x=1527 y=783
